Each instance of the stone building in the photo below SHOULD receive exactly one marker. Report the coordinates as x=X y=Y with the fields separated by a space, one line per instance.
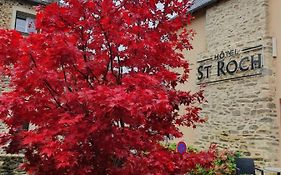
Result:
x=19 y=14
x=237 y=57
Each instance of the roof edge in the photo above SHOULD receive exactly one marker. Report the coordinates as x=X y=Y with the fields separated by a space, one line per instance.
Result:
x=192 y=10
x=41 y=1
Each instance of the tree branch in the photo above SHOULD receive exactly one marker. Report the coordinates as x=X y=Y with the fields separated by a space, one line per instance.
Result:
x=65 y=78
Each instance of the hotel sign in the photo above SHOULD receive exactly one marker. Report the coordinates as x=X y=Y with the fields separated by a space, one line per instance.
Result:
x=229 y=64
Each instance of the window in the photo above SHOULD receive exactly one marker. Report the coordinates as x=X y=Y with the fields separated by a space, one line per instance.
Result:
x=25 y=22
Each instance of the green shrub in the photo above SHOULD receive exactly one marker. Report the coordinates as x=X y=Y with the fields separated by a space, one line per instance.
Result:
x=224 y=163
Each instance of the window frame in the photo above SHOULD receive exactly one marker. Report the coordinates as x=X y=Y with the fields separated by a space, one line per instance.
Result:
x=17 y=9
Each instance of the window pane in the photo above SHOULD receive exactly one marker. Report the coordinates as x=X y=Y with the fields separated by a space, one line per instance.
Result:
x=30 y=25
x=21 y=25
x=25 y=22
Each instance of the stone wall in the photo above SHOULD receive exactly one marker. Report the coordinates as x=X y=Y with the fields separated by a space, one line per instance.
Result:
x=6 y=11
x=9 y=164
x=242 y=111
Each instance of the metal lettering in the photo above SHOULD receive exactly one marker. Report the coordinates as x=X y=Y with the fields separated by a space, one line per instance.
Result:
x=220 y=68
x=232 y=62
x=217 y=56
x=256 y=63
x=208 y=70
x=222 y=55
x=200 y=73
x=243 y=60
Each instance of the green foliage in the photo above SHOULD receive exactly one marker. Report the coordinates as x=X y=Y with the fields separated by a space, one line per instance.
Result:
x=191 y=148
x=224 y=163
x=170 y=146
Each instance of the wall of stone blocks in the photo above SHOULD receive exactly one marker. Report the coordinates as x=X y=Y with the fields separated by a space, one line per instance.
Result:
x=242 y=112
x=6 y=11
x=9 y=164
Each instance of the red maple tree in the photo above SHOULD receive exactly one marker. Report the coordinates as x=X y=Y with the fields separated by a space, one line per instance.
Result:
x=97 y=86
